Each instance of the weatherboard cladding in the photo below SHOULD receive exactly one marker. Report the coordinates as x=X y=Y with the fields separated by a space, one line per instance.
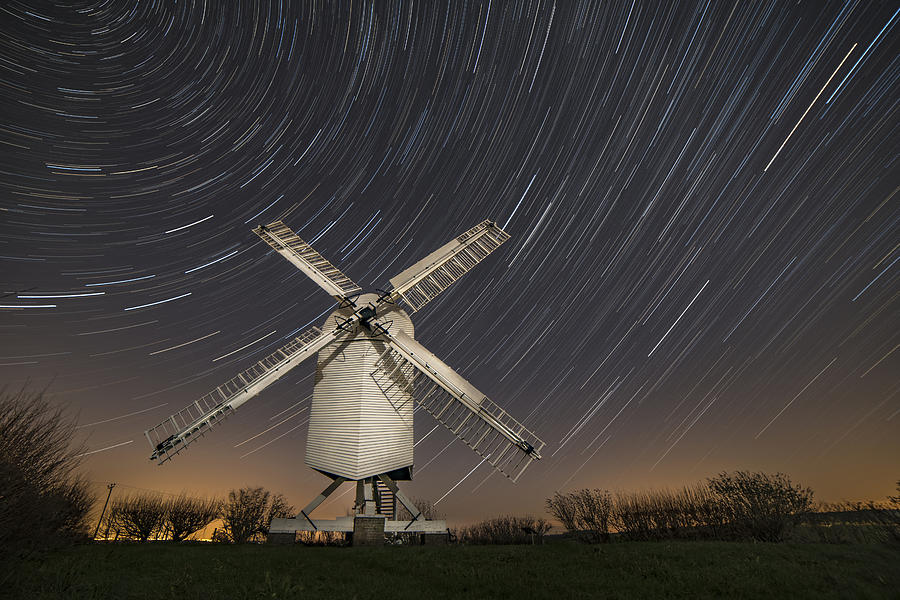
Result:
x=355 y=430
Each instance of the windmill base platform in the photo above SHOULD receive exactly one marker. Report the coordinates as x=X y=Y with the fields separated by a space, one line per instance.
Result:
x=355 y=524
x=374 y=503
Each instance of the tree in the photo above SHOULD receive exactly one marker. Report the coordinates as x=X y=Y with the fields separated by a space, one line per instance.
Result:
x=248 y=512
x=138 y=516
x=43 y=500
x=185 y=515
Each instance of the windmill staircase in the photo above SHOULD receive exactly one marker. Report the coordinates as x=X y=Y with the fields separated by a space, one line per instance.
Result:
x=385 y=500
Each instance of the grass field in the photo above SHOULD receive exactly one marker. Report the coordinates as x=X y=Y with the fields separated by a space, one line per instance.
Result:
x=562 y=570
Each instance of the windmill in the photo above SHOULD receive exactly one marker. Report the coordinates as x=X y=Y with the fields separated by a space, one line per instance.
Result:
x=370 y=373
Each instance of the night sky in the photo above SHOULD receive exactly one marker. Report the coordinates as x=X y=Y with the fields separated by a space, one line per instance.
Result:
x=702 y=199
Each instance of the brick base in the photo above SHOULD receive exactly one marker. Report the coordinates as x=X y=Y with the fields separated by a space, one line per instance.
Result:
x=281 y=538
x=368 y=531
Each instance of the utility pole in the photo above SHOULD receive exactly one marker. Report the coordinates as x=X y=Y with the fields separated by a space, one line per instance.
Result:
x=103 y=512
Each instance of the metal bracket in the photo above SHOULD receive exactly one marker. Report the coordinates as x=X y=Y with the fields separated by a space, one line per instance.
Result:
x=346 y=324
x=366 y=314
x=381 y=327
x=348 y=301
x=384 y=296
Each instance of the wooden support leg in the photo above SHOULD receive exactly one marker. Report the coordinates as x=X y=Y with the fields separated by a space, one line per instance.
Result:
x=319 y=499
x=360 y=505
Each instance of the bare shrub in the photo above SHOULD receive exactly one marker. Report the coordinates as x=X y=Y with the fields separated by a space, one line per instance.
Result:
x=594 y=508
x=249 y=511
x=739 y=505
x=185 y=516
x=584 y=513
x=840 y=523
x=590 y=515
x=42 y=500
x=633 y=515
x=563 y=507
x=885 y=519
x=759 y=506
x=503 y=530
x=709 y=514
x=869 y=521
x=138 y=516
x=687 y=513
x=278 y=508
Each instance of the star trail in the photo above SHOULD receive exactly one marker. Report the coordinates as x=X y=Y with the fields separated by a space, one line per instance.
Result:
x=702 y=198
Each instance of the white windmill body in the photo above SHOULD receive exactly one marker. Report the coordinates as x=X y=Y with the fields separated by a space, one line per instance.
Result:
x=371 y=373
x=353 y=432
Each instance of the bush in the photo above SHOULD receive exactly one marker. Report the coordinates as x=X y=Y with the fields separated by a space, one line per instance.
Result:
x=869 y=521
x=504 y=530
x=142 y=516
x=247 y=514
x=643 y=515
x=43 y=502
x=185 y=515
x=689 y=513
x=138 y=516
x=740 y=505
x=585 y=513
x=590 y=515
x=758 y=506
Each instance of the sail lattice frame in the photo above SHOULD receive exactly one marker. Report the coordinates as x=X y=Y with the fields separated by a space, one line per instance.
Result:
x=192 y=422
x=287 y=243
x=421 y=283
x=472 y=417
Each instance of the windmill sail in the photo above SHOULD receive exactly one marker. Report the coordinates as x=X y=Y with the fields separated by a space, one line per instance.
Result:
x=422 y=282
x=192 y=422
x=458 y=405
x=280 y=237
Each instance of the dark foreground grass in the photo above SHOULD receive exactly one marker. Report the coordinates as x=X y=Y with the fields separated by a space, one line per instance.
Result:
x=620 y=570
